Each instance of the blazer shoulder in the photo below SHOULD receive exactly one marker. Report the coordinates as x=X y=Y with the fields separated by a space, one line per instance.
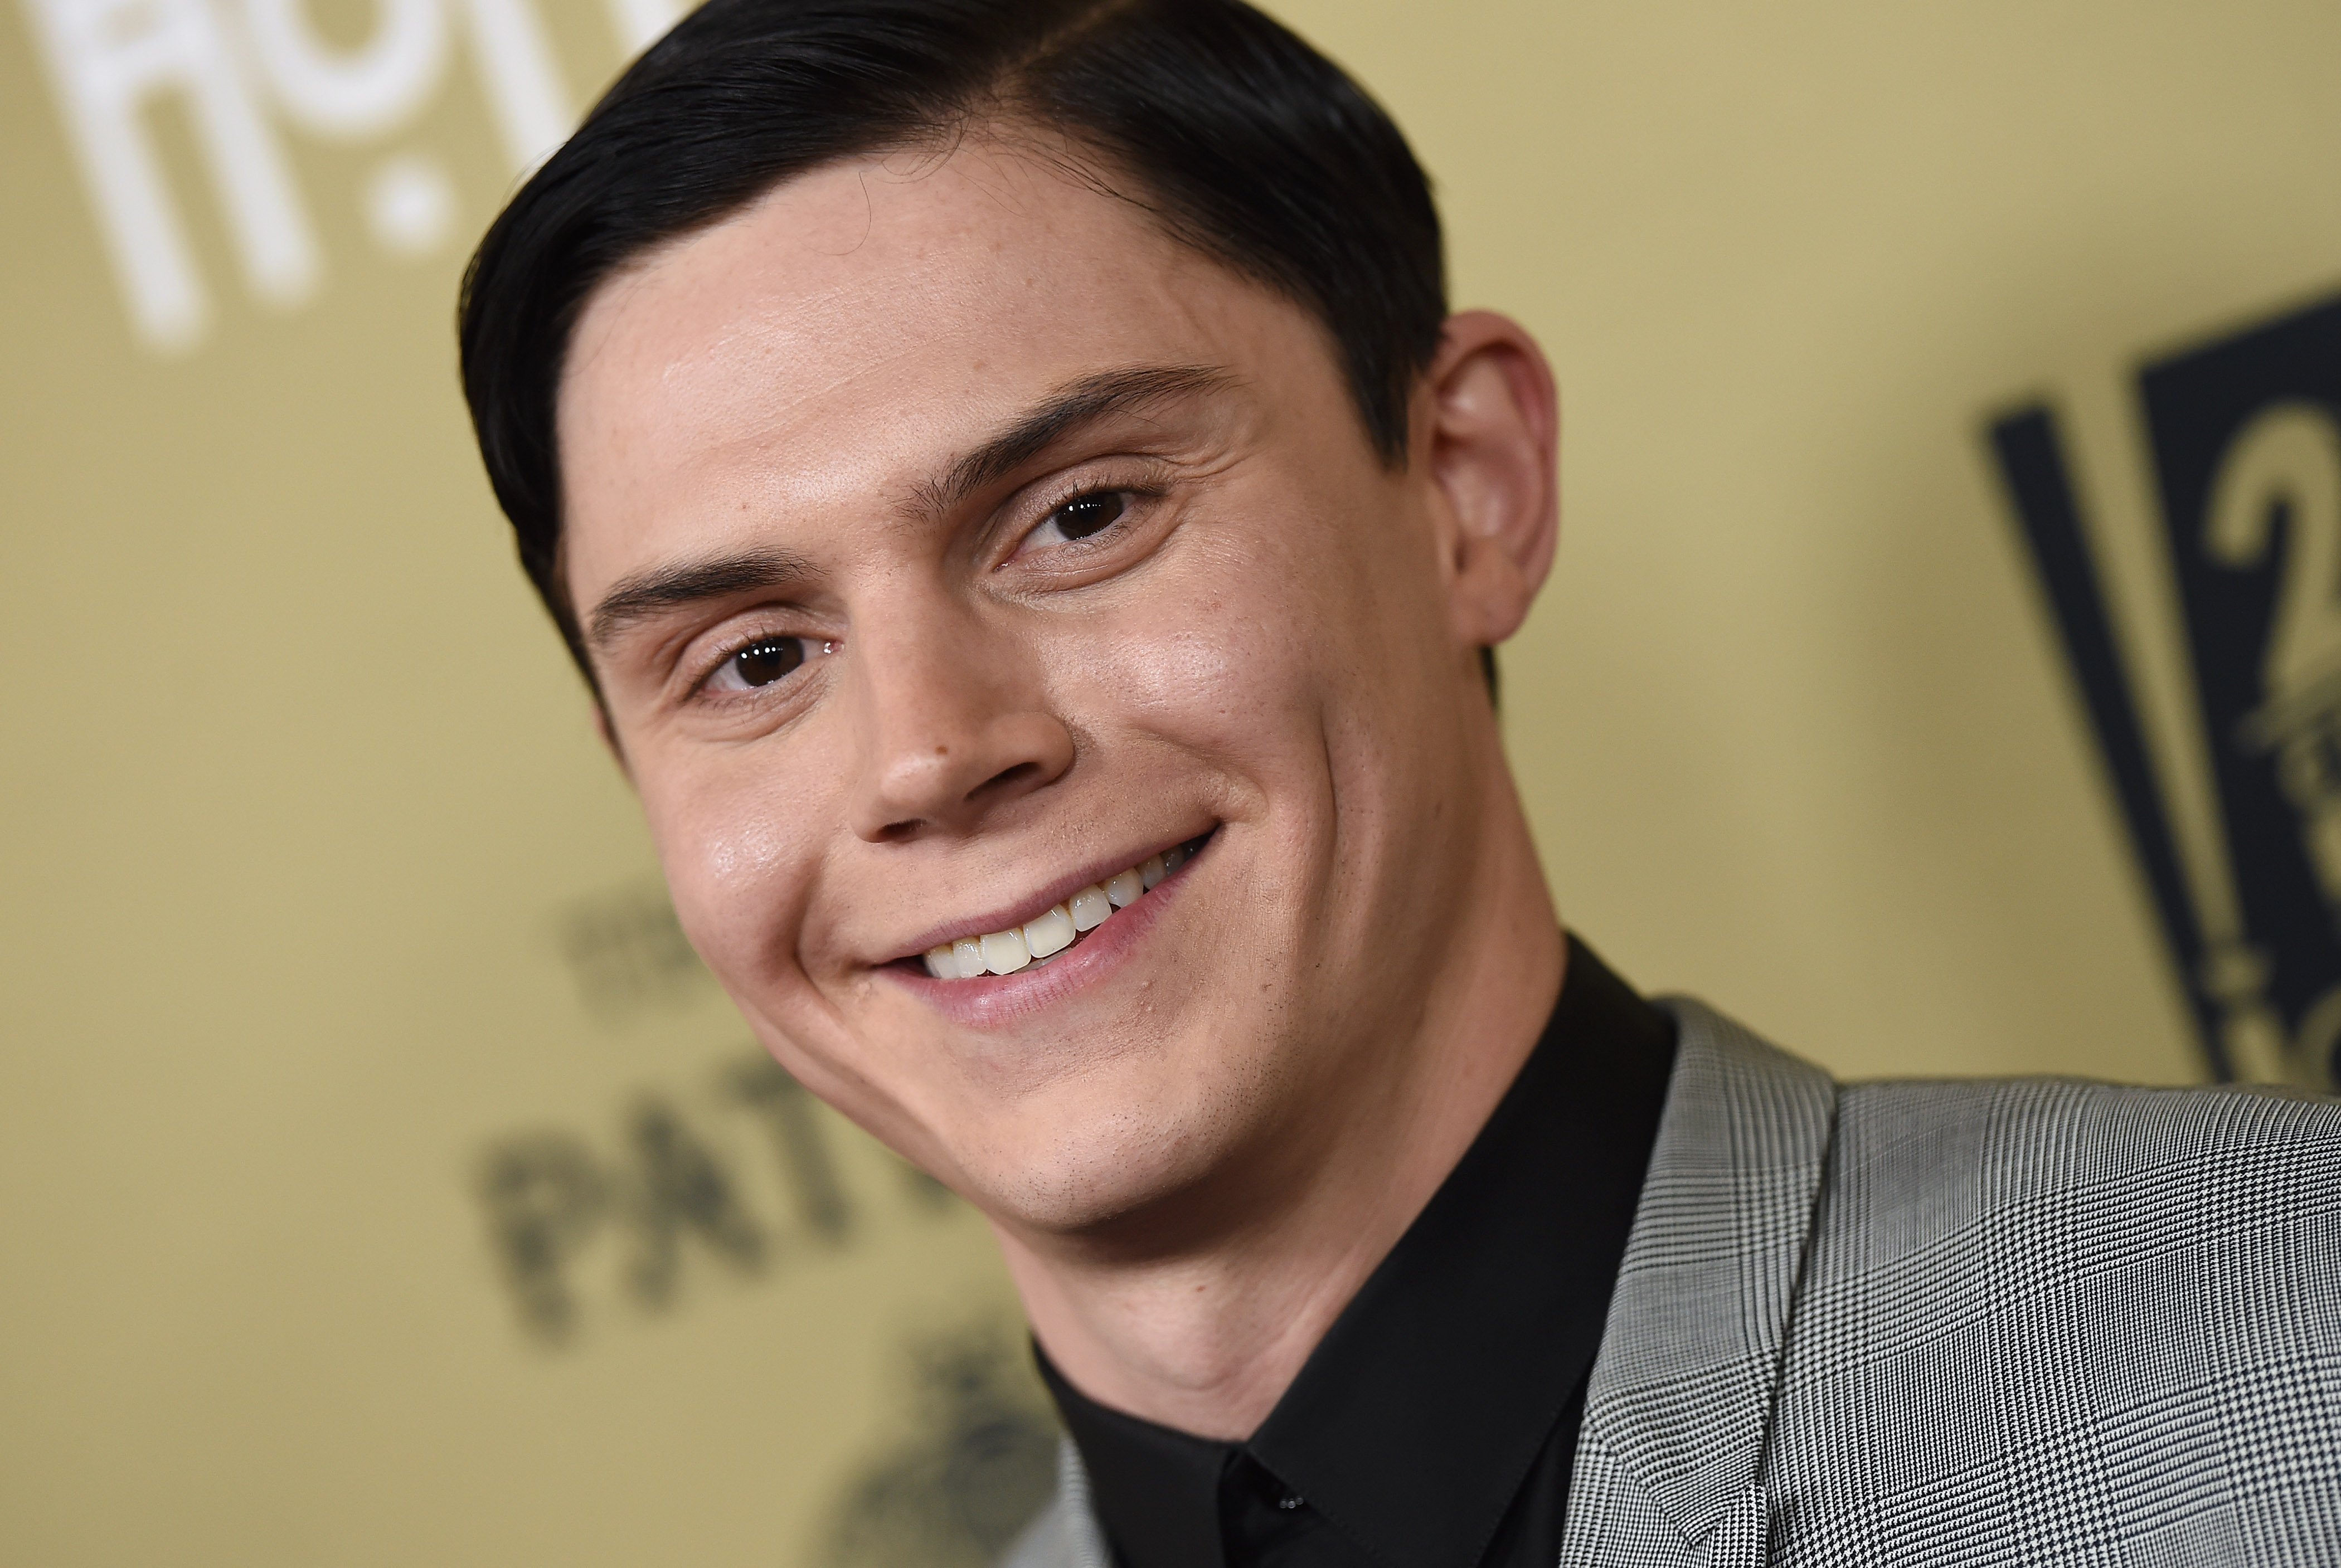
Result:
x=2068 y=1321
x=2071 y=1174
x=2008 y=1138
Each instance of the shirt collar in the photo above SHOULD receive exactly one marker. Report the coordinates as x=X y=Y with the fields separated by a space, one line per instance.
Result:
x=1156 y=1488
x=1414 y=1421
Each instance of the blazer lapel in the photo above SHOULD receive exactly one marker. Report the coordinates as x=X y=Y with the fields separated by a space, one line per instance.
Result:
x=1669 y=1462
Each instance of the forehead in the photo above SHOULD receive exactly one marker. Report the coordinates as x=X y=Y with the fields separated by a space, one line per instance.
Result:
x=858 y=323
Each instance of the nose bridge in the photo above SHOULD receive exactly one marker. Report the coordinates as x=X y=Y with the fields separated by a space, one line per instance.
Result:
x=950 y=715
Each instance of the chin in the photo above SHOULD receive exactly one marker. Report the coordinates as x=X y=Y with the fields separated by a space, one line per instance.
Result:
x=1095 y=1176
x=1134 y=1162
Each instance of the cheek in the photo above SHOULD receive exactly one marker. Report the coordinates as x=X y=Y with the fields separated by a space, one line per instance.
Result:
x=1299 y=657
x=737 y=847
x=1225 y=651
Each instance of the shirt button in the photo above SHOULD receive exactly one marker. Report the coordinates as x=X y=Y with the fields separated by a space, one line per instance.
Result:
x=1291 y=1500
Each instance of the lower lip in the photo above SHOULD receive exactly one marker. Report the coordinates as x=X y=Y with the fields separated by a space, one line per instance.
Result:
x=991 y=1001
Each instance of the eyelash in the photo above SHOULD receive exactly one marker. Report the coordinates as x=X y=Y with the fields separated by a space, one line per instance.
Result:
x=819 y=646
x=1145 y=487
x=1132 y=494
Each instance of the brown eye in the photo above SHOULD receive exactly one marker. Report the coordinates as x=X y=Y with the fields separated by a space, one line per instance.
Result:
x=1083 y=516
x=767 y=660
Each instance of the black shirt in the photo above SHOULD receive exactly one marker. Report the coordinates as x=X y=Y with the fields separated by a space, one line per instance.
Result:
x=1435 y=1423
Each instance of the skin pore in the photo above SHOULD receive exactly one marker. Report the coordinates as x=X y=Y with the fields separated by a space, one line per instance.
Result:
x=948 y=539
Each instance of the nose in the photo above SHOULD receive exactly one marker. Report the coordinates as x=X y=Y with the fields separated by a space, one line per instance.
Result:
x=953 y=726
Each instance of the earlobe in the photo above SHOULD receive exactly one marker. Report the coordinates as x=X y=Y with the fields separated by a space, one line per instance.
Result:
x=1493 y=457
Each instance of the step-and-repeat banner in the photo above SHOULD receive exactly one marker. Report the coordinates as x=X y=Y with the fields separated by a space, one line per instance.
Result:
x=1943 y=672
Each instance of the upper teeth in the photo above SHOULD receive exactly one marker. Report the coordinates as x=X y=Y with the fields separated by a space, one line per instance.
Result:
x=1037 y=940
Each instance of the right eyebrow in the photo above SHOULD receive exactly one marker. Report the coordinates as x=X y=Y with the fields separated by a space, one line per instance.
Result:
x=1067 y=410
x=658 y=589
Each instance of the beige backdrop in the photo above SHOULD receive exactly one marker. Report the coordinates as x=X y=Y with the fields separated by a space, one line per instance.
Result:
x=385 y=1185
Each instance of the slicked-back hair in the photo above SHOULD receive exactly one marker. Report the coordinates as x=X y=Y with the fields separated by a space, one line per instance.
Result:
x=1236 y=136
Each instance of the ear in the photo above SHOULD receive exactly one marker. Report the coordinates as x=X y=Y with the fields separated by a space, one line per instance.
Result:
x=1492 y=457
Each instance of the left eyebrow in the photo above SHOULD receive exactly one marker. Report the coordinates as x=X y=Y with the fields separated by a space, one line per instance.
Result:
x=1061 y=413
x=652 y=592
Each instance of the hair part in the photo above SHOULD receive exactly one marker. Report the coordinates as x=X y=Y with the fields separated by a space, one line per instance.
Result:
x=1235 y=135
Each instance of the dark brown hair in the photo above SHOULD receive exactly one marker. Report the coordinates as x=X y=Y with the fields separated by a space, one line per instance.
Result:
x=1240 y=138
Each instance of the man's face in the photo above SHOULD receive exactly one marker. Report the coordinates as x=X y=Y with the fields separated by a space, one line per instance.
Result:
x=950 y=542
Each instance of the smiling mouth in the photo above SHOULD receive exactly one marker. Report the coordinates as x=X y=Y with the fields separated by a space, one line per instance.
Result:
x=1044 y=939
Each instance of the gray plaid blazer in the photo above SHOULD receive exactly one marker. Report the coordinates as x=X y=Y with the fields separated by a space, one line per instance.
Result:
x=2020 y=1321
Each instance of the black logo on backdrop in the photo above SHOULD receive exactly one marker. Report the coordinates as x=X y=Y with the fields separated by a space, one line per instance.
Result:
x=575 y=1223
x=2237 y=829
x=627 y=953
x=739 y=1178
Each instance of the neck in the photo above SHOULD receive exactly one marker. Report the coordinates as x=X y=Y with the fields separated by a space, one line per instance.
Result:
x=1206 y=1335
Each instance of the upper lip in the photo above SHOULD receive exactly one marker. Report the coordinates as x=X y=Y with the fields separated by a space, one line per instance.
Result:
x=1038 y=904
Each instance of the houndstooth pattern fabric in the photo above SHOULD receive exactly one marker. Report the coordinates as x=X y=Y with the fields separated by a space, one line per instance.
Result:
x=2051 y=1322
x=1974 y=1323
x=1064 y=1535
x=1670 y=1459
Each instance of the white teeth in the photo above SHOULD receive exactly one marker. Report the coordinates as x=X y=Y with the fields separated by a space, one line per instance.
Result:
x=1089 y=909
x=1052 y=933
x=1006 y=952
